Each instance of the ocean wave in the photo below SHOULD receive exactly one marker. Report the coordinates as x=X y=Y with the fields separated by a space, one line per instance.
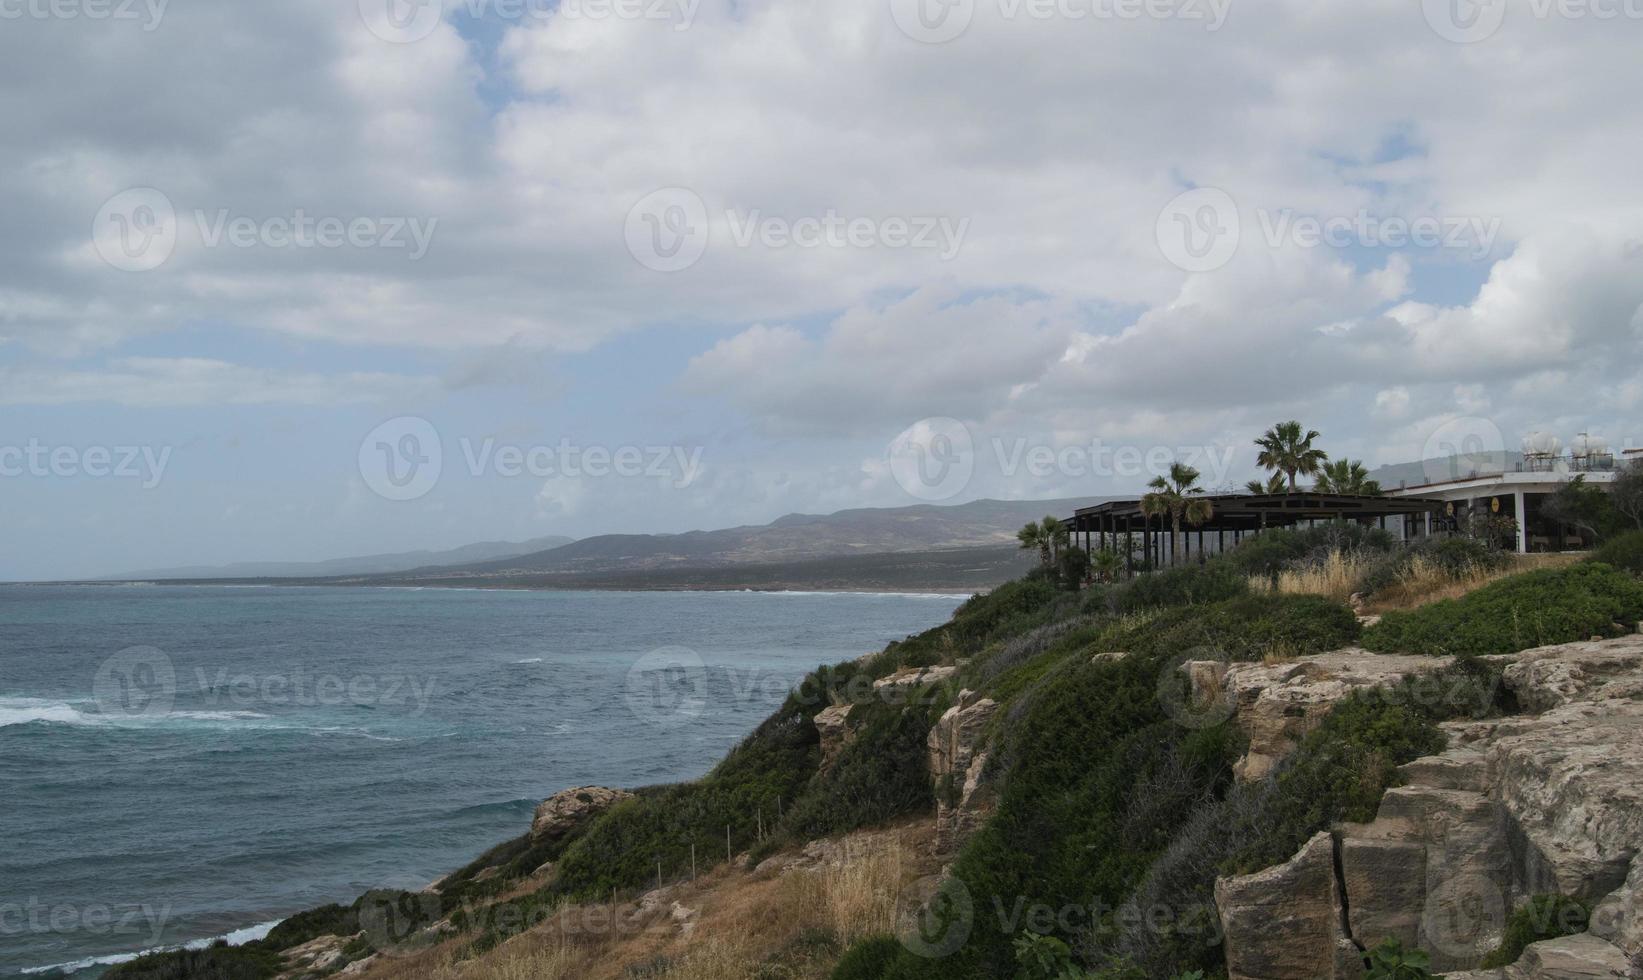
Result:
x=531 y=660
x=238 y=937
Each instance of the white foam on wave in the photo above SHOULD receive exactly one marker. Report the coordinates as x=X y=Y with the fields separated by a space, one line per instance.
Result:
x=238 y=937
x=28 y=711
x=532 y=660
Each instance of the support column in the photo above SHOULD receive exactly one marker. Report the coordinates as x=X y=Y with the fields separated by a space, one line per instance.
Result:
x=1521 y=504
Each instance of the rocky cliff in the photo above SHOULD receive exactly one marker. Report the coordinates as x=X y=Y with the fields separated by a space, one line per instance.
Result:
x=1549 y=801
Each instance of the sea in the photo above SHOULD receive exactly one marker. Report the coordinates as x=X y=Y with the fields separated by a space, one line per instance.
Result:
x=180 y=764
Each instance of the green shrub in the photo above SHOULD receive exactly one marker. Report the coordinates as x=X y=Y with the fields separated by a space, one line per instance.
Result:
x=218 y=962
x=1390 y=961
x=1211 y=582
x=1242 y=629
x=1517 y=613
x=328 y=920
x=881 y=773
x=1624 y=552
x=868 y=959
x=1543 y=917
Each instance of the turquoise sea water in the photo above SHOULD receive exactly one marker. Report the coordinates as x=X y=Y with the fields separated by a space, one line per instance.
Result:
x=182 y=763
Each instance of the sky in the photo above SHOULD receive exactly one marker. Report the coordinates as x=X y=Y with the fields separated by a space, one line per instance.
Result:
x=317 y=278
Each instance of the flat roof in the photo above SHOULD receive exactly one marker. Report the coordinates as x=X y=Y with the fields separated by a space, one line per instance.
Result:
x=1245 y=511
x=1527 y=478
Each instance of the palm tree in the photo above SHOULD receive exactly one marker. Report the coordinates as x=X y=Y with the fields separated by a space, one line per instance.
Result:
x=1179 y=497
x=1286 y=450
x=1047 y=536
x=1347 y=477
x=1272 y=487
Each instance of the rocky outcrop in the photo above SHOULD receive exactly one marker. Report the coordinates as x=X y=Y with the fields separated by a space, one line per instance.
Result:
x=564 y=811
x=1276 y=705
x=958 y=764
x=1287 y=921
x=833 y=725
x=1532 y=804
x=908 y=678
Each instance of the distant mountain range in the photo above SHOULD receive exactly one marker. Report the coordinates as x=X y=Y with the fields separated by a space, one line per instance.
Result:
x=1399 y=475
x=368 y=565
x=926 y=546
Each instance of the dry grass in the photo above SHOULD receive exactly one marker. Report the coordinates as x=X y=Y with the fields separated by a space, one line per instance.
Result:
x=1424 y=581
x=1337 y=577
x=746 y=925
x=854 y=900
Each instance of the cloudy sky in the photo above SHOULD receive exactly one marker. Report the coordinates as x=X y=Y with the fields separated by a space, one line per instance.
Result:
x=297 y=280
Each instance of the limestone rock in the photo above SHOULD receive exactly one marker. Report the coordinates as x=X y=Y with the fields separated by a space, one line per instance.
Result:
x=833 y=725
x=957 y=764
x=564 y=811
x=1277 y=705
x=1546 y=802
x=320 y=955
x=912 y=677
x=1285 y=922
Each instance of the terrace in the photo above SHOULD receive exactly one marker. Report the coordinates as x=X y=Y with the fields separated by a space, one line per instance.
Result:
x=1122 y=525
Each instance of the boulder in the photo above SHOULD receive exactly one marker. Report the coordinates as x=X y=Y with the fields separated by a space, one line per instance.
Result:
x=568 y=809
x=908 y=678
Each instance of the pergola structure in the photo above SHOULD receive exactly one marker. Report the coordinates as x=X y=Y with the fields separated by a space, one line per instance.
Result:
x=1105 y=525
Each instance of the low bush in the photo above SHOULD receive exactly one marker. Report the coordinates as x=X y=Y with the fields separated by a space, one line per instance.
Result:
x=1517 y=613
x=1244 y=629
x=1543 y=917
x=1390 y=961
x=1212 y=581
x=1624 y=552
x=868 y=959
x=218 y=962
x=881 y=773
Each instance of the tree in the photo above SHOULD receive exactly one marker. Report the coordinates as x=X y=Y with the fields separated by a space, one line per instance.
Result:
x=1047 y=536
x=1178 y=497
x=1272 y=487
x=1582 y=506
x=1286 y=449
x=1347 y=477
x=1626 y=493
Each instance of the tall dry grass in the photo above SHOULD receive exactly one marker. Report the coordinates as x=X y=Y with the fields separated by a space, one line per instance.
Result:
x=855 y=899
x=1425 y=581
x=1337 y=577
